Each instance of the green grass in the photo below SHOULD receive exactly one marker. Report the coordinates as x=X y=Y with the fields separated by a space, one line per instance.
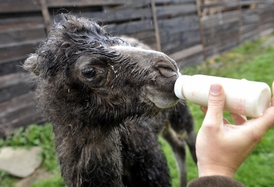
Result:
x=56 y=181
x=248 y=61
x=34 y=135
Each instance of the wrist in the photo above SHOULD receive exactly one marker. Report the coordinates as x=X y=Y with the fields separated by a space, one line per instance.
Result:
x=214 y=169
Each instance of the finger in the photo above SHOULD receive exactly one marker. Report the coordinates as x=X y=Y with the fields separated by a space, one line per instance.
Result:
x=216 y=102
x=238 y=119
x=204 y=109
x=266 y=121
x=225 y=121
x=272 y=103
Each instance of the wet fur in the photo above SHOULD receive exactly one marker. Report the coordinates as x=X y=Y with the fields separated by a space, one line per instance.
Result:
x=103 y=134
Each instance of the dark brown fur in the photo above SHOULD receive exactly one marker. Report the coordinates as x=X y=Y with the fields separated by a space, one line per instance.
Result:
x=90 y=84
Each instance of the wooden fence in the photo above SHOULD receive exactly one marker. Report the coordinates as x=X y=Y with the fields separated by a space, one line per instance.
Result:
x=187 y=30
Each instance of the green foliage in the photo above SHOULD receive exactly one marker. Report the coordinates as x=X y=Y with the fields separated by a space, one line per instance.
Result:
x=56 y=181
x=6 y=180
x=171 y=162
x=35 y=135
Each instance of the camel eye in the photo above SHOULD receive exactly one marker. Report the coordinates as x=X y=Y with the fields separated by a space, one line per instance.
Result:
x=88 y=72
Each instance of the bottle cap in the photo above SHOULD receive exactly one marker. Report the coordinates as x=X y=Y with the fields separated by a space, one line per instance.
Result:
x=179 y=85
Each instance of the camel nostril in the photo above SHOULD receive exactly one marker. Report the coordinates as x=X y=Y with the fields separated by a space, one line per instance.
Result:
x=167 y=69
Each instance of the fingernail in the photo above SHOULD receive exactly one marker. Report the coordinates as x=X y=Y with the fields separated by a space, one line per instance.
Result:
x=215 y=89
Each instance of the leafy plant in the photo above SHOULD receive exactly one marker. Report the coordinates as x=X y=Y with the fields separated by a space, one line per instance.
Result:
x=35 y=135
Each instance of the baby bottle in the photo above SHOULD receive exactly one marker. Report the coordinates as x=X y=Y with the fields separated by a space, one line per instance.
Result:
x=244 y=97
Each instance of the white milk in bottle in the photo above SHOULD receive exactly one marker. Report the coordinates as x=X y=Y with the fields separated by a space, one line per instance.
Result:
x=244 y=97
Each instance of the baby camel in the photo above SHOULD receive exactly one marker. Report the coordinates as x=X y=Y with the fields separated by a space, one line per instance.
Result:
x=99 y=93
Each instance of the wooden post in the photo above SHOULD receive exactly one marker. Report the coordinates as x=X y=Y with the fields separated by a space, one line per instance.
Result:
x=198 y=5
x=45 y=14
x=239 y=21
x=259 y=30
x=155 y=22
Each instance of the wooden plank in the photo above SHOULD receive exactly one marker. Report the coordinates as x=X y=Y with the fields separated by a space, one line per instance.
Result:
x=130 y=28
x=215 y=39
x=15 y=91
x=230 y=16
x=156 y=26
x=217 y=51
x=228 y=46
x=129 y=5
x=250 y=19
x=266 y=19
x=169 y=48
x=266 y=3
x=187 y=52
x=246 y=3
x=169 y=31
x=187 y=38
x=267 y=11
x=266 y=32
x=248 y=28
x=220 y=19
x=28 y=108
x=212 y=38
x=175 y=10
x=183 y=19
x=266 y=27
x=12 y=79
x=220 y=39
x=190 y=60
x=17 y=35
x=11 y=66
x=222 y=27
x=128 y=14
x=219 y=30
x=183 y=41
x=15 y=50
x=249 y=12
x=14 y=85
x=251 y=38
x=120 y=15
x=185 y=46
x=180 y=23
x=21 y=22
x=173 y=1
x=83 y=3
x=220 y=4
x=16 y=103
x=250 y=34
x=24 y=121
x=8 y=6
x=146 y=37
x=52 y=3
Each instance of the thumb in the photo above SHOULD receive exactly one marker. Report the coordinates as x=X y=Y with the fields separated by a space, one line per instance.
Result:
x=216 y=102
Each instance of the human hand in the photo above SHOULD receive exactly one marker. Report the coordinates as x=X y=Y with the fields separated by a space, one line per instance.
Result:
x=221 y=147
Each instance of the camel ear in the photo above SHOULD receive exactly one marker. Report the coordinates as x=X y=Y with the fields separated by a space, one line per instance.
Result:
x=30 y=64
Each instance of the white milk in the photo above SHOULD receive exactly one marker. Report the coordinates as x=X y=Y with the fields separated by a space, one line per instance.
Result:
x=244 y=97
